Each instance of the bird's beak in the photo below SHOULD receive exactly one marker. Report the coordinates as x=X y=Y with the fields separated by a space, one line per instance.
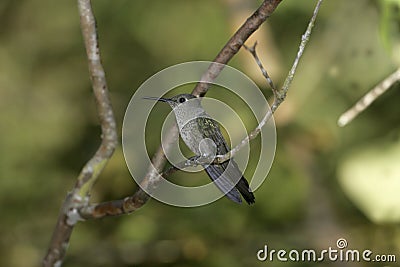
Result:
x=162 y=99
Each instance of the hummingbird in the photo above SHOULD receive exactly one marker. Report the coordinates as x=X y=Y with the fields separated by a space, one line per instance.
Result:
x=203 y=137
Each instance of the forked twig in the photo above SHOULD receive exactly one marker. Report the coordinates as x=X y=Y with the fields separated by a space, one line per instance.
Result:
x=252 y=50
x=266 y=8
x=279 y=95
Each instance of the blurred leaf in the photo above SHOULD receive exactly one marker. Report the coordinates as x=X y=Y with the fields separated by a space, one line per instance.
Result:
x=390 y=27
x=139 y=228
x=370 y=176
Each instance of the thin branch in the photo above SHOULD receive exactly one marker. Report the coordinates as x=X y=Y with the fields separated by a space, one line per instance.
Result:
x=304 y=40
x=79 y=196
x=369 y=98
x=153 y=177
x=279 y=95
x=252 y=50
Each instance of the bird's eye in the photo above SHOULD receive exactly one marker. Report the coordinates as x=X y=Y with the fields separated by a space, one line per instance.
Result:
x=181 y=99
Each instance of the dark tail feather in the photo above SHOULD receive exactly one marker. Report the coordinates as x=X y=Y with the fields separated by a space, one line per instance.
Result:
x=245 y=191
x=220 y=177
x=224 y=184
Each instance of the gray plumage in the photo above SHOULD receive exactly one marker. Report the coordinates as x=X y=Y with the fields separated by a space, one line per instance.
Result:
x=203 y=136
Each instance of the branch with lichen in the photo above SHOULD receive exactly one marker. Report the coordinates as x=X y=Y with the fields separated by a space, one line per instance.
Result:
x=78 y=197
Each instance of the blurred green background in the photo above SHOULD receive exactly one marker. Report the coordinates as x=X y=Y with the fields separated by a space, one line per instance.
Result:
x=326 y=182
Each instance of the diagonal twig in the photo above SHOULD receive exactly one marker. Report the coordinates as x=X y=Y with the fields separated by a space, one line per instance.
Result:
x=369 y=98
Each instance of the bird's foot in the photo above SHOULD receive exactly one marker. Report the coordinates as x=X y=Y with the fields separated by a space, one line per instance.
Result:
x=199 y=160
